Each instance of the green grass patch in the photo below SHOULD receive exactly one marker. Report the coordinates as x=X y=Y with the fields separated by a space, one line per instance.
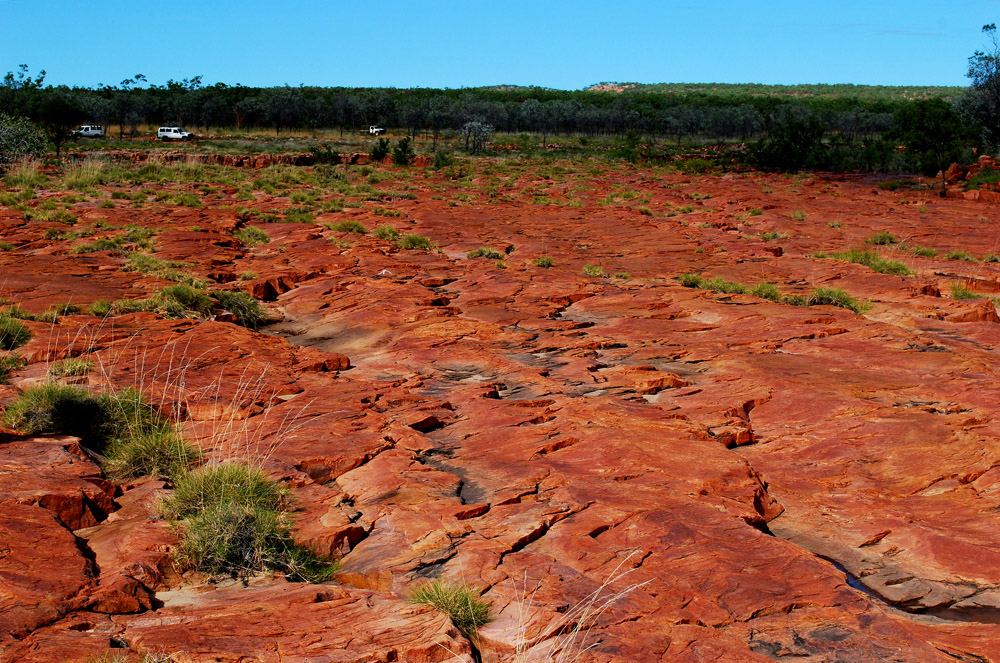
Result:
x=983 y=177
x=348 y=226
x=485 y=252
x=414 y=243
x=767 y=291
x=881 y=239
x=461 y=603
x=964 y=256
x=962 y=291
x=544 y=262
x=874 y=261
x=252 y=236
x=595 y=271
x=232 y=522
x=247 y=310
x=13 y=334
x=386 y=232
x=70 y=367
x=8 y=364
x=836 y=297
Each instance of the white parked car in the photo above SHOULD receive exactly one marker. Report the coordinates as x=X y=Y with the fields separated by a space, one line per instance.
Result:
x=173 y=133
x=88 y=131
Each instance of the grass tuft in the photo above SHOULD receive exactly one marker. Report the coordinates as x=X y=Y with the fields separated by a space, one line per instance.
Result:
x=485 y=252
x=13 y=334
x=461 y=603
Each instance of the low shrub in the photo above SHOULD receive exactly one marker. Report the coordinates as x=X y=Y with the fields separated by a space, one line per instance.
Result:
x=349 y=226
x=873 y=261
x=414 y=242
x=441 y=160
x=403 y=154
x=485 y=252
x=8 y=364
x=962 y=291
x=461 y=603
x=247 y=310
x=544 y=262
x=252 y=236
x=386 y=232
x=983 y=177
x=836 y=297
x=960 y=255
x=923 y=251
x=100 y=308
x=881 y=239
x=179 y=300
x=159 y=452
x=767 y=291
x=226 y=482
x=13 y=334
x=57 y=408
x=593 y=270
x=232 y=523
x=70 y=367
x=380 y=150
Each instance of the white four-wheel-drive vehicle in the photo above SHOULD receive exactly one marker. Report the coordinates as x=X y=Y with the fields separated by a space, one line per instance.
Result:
x=374 y=130
x=88 y=131
x=173 y=133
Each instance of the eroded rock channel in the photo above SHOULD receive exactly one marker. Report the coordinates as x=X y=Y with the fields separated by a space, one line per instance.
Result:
x=720 y=467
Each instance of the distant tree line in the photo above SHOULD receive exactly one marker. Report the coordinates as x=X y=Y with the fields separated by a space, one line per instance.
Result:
x=792 y=127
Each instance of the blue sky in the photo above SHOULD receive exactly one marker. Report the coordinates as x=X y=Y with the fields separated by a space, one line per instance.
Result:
x=555 y=43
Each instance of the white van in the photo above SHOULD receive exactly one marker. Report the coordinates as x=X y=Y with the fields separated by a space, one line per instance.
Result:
x=173 y=133
x=88 y=131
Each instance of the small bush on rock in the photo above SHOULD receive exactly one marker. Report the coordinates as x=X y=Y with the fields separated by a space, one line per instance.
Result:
x=13 y=334
x=461 y=603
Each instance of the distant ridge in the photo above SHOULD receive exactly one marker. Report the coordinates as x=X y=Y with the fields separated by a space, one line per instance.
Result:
x=838 y=90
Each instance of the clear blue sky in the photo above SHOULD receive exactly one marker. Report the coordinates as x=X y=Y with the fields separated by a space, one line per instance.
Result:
x=552 y=43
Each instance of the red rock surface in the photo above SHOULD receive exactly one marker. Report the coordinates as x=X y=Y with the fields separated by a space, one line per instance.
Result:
x=728 y=478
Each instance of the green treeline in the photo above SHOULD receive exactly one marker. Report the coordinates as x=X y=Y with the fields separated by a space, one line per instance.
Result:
x=829 y=127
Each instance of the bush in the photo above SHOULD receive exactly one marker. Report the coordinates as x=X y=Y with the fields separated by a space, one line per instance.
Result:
x=380 y=150
x=881 y=239
x=232 y=523
x=8 y=364
x=544 y=262
x=159 y=452
x=252 y=236
x=19 y=139
x=485 y=252
x=962 y=291
x=58 y=408
x=177 y=300
x=349 y=226
x=402 y=154
x=414 y=242
x=873 y=261
x=441 y=160
x=386 y=232
x=766 y=291
x=960 y=255
x=923 y=251
x=246 y=309
x=13 y=334
x=135 y=438
x=70 y=367
x=593 y=270
x=836 y=297
x=215 y=484
x=463 y=606
x=100 y=308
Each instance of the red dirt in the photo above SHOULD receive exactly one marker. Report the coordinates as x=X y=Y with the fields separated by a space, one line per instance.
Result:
x=776 y=480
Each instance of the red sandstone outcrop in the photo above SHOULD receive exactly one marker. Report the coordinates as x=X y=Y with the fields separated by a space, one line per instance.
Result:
x=733 y=479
